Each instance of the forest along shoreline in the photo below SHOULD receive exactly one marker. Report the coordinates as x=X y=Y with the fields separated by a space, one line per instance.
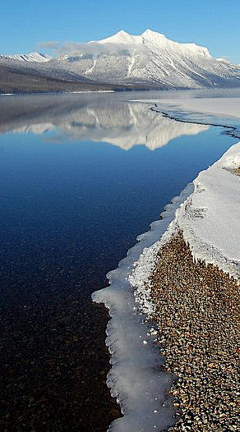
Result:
x=195 y=294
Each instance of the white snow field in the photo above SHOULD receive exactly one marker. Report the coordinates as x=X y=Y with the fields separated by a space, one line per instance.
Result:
x=210 y=217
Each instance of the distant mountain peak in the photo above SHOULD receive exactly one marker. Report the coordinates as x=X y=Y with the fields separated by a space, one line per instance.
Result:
x=153 y=34
x=123 y=33
x=120 y=37
x=31 y=57
x=153 y=38
x=123 y=37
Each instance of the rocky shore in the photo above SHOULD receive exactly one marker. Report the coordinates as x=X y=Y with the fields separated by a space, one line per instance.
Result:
x=237 y=171
x=197 y=313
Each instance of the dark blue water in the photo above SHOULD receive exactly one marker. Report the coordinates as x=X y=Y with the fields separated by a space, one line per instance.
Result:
x=72 y=203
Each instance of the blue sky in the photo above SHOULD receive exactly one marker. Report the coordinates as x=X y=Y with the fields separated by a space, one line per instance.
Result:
x=211 y=23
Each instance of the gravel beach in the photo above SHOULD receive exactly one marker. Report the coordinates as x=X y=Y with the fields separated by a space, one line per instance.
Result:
x=197 y=314
x=237 y=171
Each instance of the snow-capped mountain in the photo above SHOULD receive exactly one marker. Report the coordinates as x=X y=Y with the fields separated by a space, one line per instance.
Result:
x=31 y=57
x=150 y=58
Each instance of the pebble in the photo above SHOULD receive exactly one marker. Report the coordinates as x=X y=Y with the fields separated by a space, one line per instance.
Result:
x=197 y=315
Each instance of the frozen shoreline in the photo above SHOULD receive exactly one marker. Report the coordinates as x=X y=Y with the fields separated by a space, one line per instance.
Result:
x=188 y=283
x=209 y=219
x=189 y=273
x=220 y=106
x=216 y=197
x=187 y=106
x=138 y=381
x=126 y=334
x=209 y=222
x=218 y=111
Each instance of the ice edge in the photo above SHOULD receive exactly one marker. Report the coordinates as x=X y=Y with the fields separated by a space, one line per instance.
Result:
x=138 y=382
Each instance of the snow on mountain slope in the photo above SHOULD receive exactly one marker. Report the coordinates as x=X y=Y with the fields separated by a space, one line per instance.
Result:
x=31 y=57
x=150 y=58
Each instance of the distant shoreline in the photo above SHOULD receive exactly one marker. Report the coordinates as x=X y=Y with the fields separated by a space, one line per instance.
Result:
x=60 y=93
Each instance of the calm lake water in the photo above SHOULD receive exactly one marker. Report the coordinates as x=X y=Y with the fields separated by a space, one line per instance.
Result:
x=81 y=177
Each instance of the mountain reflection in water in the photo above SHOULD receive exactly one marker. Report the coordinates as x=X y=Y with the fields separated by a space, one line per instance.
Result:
x=99 y=119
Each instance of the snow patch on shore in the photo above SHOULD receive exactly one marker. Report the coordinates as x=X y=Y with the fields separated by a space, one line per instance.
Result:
x=210 y=218
x=136 y=378
x=210 y=222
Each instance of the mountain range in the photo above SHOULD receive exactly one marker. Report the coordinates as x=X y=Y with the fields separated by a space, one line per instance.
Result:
x=145 y=61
